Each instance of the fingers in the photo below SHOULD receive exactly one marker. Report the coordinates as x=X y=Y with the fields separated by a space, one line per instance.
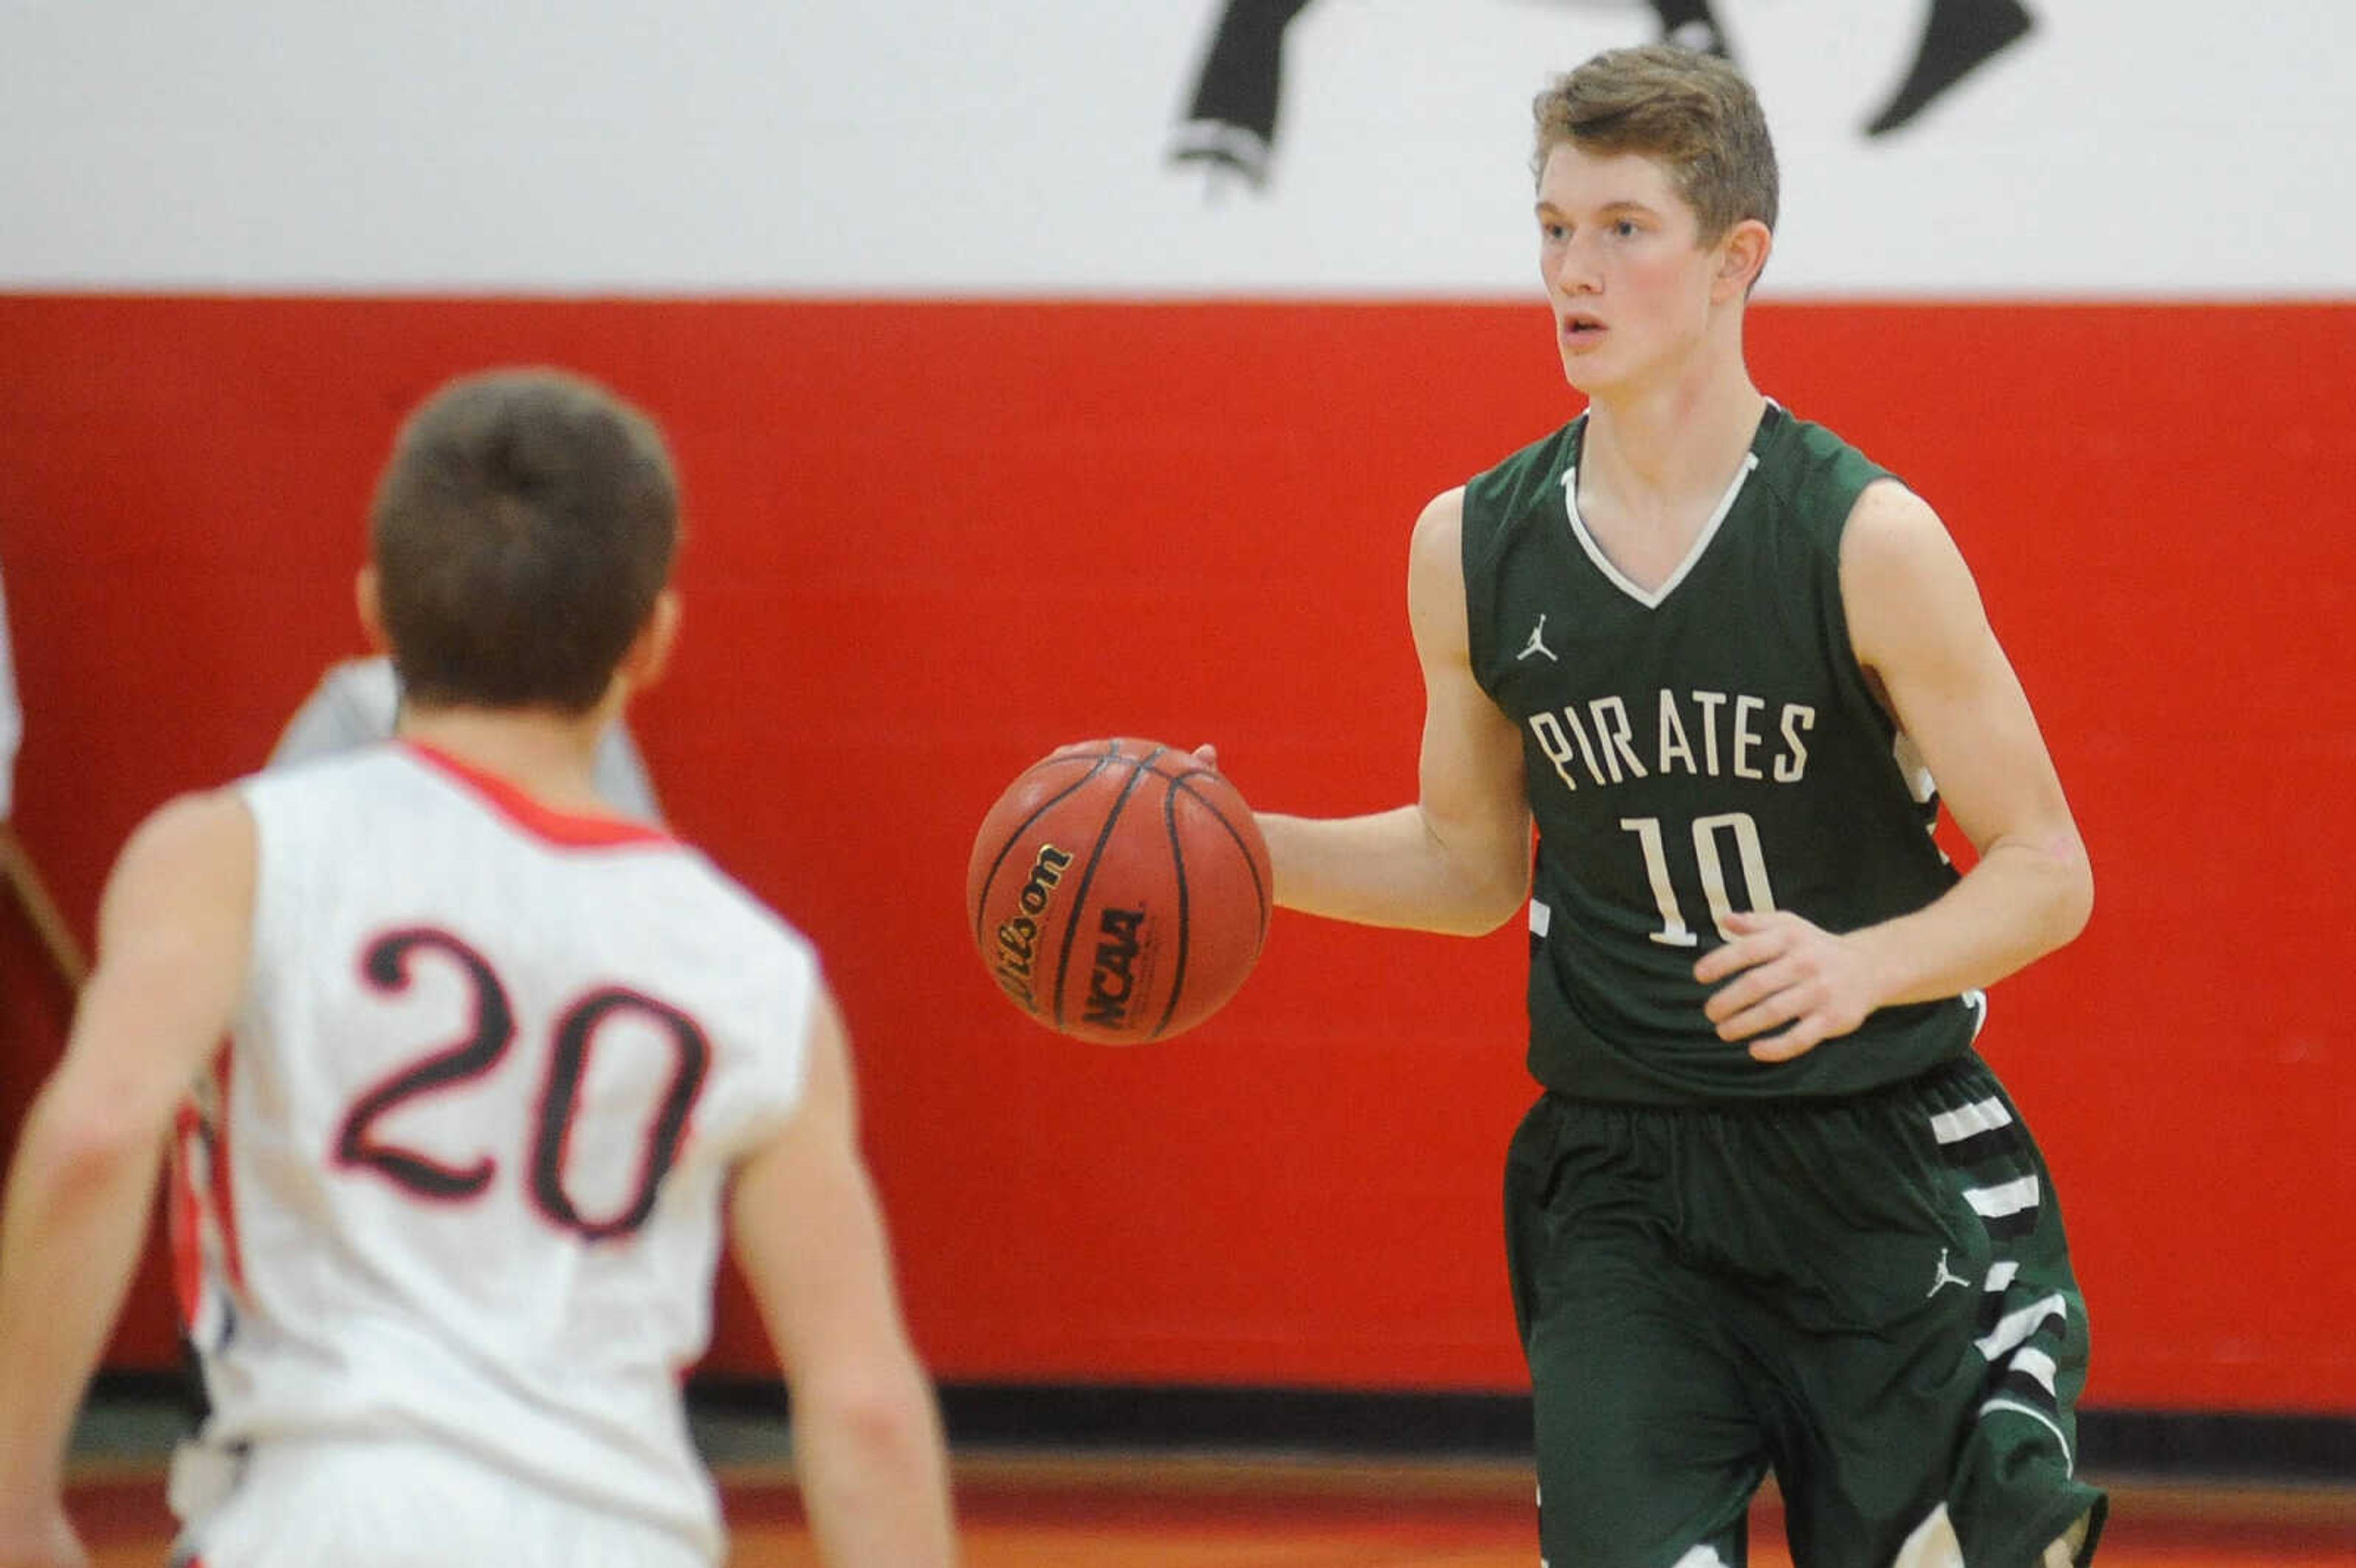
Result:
x=1793 y=1043
x=1756 y=938
x=1804 y=1025
x=1766 y=998
x=1778 y=985
x=1208 y=755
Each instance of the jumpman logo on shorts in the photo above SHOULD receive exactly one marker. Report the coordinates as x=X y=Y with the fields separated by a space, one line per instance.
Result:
x=1536 y=644
x=1944 y=1278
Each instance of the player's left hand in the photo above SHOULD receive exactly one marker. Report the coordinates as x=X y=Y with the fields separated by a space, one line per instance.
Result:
x=1780 y=972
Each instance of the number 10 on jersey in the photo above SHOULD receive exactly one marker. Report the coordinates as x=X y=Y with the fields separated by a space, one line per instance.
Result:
x=1709 y=860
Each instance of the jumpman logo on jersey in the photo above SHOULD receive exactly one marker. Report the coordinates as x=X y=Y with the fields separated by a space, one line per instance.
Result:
x=1536 y=644
x=1945 y=1276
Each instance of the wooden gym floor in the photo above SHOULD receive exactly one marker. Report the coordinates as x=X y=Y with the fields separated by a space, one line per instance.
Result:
x=1162 y=1511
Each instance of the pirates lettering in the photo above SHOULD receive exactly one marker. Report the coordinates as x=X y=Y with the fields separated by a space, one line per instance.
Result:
x=1703 y=734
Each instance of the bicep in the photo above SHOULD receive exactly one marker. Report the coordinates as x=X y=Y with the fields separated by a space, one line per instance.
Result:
x=1469 y=768
x=808 y=1229
x=1918 y=626
x=174 y=936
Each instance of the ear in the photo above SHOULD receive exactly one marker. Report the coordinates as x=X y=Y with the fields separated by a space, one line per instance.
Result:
x=649 y=653
x=1742 y=257
x=372 y=611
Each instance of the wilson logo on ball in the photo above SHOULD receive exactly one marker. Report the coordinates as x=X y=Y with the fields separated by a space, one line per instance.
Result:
x=1018 y=937
x=1118 y=891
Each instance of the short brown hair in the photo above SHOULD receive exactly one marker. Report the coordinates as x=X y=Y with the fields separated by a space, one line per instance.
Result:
x=1692 y=112
x=522 y=532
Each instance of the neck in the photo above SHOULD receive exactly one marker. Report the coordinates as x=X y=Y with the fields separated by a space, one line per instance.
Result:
x=1677 y=426
x=1670 y=441
x=550 y=756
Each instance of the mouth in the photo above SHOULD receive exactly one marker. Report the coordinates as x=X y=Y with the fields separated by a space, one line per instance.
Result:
x=1582 y=329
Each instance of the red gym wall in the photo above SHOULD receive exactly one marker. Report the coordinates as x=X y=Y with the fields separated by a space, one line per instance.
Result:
x=931 y=541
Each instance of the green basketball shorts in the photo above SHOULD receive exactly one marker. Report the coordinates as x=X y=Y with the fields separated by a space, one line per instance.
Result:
x=1870 y=1296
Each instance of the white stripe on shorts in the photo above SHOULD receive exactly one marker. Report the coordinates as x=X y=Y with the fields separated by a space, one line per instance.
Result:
x=2033 y=1362
x=1954 y=1127
x=2010 y=1197
x=2013 y=1329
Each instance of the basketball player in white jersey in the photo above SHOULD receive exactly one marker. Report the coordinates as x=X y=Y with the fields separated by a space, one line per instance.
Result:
x=502 y=1067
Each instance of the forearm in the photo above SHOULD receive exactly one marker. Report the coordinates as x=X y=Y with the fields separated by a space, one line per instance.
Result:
x=1397 y=868
x=2019 y=903
x=75 y=1221
x=874 y=1474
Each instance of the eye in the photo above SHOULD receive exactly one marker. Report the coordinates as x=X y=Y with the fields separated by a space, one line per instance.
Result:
x=1554 y=233
x=1625 y=229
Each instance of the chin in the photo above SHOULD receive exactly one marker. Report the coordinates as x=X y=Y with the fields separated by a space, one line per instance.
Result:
x=1583 y=376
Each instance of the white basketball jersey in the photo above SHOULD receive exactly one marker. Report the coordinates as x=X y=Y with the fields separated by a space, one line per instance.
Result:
x=463 y=1176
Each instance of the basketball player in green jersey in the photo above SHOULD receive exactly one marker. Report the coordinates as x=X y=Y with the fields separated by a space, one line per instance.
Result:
x=1772 y=1211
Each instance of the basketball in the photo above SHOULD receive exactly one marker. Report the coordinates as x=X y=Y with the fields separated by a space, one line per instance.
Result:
x=1119 y=892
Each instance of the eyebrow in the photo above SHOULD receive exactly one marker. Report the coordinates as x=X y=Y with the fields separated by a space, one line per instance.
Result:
x=1607 y=210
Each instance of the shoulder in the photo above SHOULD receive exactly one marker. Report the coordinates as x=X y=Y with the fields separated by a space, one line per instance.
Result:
x=174 y=948
x=1904 y=581
x=1440 y=527
x=206 y=828
x=189 y=866
x=1891 y=535
x=1436 y=553
x=1436 y=577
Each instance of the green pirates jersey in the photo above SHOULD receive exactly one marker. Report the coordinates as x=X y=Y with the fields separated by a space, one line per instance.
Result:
x=1707 y=747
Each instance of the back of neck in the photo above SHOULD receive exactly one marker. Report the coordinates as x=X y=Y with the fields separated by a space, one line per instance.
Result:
x=550 y=756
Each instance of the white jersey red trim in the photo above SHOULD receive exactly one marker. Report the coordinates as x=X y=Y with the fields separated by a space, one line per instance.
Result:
x=464 y=1174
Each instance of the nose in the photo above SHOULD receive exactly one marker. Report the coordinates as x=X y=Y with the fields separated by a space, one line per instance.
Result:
x=1572 y=269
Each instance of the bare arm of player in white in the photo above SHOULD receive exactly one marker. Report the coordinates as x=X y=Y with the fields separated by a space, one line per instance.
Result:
x=173 y=934
x=809 y=1235
x=1458 y=860
x=1917 y=625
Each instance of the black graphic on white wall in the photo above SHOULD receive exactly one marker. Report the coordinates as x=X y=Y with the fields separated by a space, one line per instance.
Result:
x=1231 y=121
